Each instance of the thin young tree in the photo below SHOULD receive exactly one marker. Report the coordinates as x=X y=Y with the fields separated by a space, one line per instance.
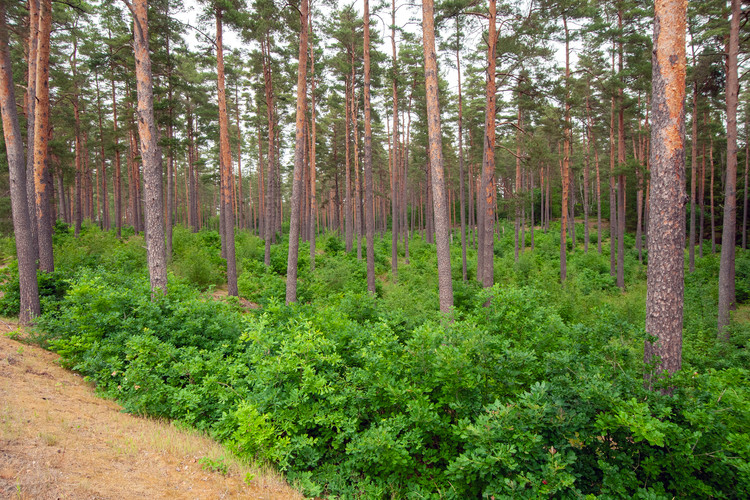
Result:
x=150 y=151
x=665 y=282
x=29 y=291
x=394 y=157
x=442 y=229
x=461 y=176
x=299 y=158
x=369 y=187
x=727 y=300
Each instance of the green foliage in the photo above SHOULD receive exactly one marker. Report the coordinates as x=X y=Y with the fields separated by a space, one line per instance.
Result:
x=212 y=465
x=52 y=287
x=537 y=394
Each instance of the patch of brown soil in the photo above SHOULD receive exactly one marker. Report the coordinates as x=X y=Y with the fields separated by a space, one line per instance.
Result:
x=221 y=293
x=58 y=440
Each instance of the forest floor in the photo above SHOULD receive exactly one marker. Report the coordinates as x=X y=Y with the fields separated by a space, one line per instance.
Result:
x=59 y=440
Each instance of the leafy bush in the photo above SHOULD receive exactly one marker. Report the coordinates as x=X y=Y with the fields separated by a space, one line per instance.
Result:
x=351 y=399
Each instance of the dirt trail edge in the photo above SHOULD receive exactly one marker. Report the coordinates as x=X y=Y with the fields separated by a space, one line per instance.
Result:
x=58 y=440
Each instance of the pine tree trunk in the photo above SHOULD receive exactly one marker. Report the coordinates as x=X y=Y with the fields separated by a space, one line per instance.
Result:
x=694 y=167
x=313 y=138
x=369 y=186
x=170 y=208
x=565 y=162
x=394 y=158
x=744 y=211
x=349 y=210
x=43 y=188
x=702 y=201
x=586 y=169
x=727 y=298
x=664 y=302
x=488 y=170
x=269 y=223
x=518 y=183
x=31 y=100
x=78 y=145
x=445 y=284
x=620 y=165
x=118 y=174
x=299 y=159
x=711 y=194
x=28 y=287
x=226 y=162
x=102 y=162
x=150 y=151
x=612 y=192
x=460 y=157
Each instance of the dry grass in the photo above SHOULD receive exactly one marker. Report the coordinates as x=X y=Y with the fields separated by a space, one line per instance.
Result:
x=58 y=440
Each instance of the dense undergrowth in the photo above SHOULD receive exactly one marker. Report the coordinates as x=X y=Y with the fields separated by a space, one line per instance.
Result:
x=540 y=394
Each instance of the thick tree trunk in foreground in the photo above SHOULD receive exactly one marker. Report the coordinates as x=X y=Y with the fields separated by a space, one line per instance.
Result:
x=445 y=283
x=226 y=164
x=664 y=302
x=43 y=187
x=299 y=159
x=727 y=300
x=150 y=152
x=29 y=292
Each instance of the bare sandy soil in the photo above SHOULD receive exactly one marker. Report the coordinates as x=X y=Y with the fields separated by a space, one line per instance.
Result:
x=58 y=440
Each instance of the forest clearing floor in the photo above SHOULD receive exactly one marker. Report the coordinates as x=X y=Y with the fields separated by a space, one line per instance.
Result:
x=59 y=440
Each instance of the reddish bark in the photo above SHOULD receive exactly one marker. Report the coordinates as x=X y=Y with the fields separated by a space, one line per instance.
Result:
x=664 y=301
x=299 y=158
x=28 y=287
x=43 y=187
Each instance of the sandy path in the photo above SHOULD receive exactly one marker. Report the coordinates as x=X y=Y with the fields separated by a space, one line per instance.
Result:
x=58 y=440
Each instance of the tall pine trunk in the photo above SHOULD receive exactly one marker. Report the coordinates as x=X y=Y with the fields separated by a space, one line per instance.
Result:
x=150 y=151
x=369 y=186
x=445 y=284
x=42 y=184
x=664 y=301
x=227 y=214
x=488 y=171
x=299 y=159
x=727 y=299
x=22 y=222
x=460 y=156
